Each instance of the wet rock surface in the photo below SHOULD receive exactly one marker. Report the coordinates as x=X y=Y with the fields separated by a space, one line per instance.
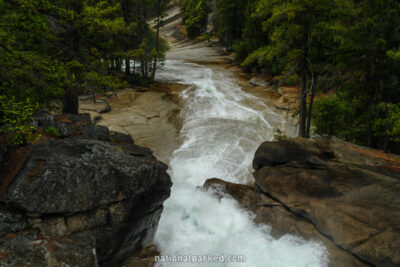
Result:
x=151 y=117
x=79 y=200
x=101 y=106
x=340 y=194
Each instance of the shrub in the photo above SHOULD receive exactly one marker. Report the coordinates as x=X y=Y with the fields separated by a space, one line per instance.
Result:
x=279 y=135
x=14 y=121
x=330 y=115
x=52 y=132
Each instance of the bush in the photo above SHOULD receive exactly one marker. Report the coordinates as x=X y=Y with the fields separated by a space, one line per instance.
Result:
x=14 y=121
x=330 y=115
x=279 y=135
x=52 y=132
x=292 y=80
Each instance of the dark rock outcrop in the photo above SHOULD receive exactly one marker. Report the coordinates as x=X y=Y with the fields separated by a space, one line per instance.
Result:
x=80 y=201
x=121 y=138
x=345 y=196
x=68 y=125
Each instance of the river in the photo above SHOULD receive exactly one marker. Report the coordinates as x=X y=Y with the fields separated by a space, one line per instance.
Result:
x=222 y=128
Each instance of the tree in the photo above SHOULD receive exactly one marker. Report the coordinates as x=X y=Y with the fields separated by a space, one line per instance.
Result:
x=53 y=50
x=27 y=69
x=194 y=16
x=366 y=60
x=160 y=8
x=388 y=125
x=229 y=20
x=349 y=48
x=295 y=27
x=14 y=121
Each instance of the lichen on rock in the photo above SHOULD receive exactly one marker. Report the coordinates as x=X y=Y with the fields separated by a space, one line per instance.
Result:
x=81 y=200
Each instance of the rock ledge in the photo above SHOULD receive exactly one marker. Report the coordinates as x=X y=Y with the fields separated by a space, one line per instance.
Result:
x=343 y=195
x=79 y=201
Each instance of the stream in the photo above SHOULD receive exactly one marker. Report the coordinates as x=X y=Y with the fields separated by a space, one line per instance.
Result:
x=222 y=128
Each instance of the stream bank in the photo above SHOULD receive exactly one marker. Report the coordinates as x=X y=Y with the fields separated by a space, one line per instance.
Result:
x=206 y=118
x=150 y=115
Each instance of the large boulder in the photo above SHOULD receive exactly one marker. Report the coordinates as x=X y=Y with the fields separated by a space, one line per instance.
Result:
x=343 y=195
x=80 y=202
x=282 y=221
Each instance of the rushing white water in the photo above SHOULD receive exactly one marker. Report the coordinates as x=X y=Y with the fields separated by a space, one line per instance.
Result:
x=223 y=126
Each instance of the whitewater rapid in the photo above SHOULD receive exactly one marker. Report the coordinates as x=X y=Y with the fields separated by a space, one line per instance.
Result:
x=222 y=128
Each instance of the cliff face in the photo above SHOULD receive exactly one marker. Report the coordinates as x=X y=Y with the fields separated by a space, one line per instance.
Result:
x=345 y=196
x=77 y=200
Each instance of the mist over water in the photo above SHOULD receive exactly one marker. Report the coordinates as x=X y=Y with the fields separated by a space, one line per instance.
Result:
x=223 y=127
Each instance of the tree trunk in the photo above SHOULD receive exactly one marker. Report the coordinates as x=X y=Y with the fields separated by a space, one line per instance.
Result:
x=127 y=67
x=303 y=100
x=303 y=88
x=142 y=69
x=370 y=136
x=387 y=137
x=371 y=142
x=153 y=74
x=70 y=101
x=310 y=106
x=146 y=71
x=118 y=65
x=387 y=141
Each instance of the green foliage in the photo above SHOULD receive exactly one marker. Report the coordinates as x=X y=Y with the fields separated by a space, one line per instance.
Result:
x=53 y=49
x=291 y=80
x=229 y=19
x=344 y=46
x=206 y=36
x=26 y=67
x=112 y=139
x=52 y=132
x=95 y=82
x=389 y=121
x=254 y=36
x=194 y=16
x=279 y=135
x=330 y=116
x=14 y=121
x=258 y=59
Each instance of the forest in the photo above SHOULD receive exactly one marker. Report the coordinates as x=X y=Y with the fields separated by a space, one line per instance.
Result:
x=256 y=133
x=344 y=55
x=53 y=50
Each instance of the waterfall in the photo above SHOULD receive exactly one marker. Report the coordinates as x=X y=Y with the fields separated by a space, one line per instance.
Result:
x=222 y=128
